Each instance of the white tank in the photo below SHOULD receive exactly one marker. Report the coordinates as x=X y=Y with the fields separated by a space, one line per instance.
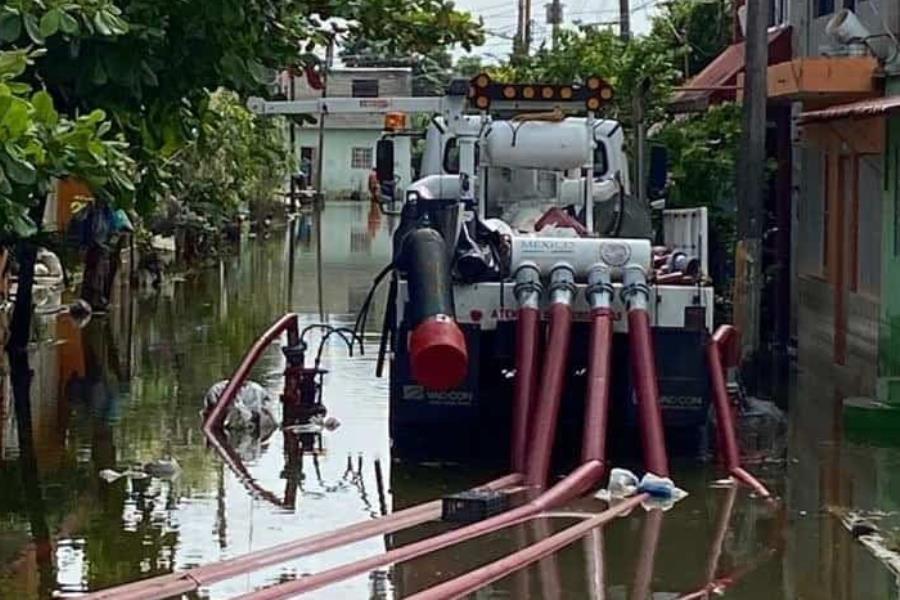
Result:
x=580 y=253
x=538 y=145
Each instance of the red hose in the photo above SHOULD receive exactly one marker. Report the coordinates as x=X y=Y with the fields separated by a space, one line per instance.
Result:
x=577 y=483
x=527 y=348
x=477 y=579
x=727 y=436
x=643 y=364
x=288 y=322
x=641 y=588
x=596 y=418
x=185 y=582
x=546 y=413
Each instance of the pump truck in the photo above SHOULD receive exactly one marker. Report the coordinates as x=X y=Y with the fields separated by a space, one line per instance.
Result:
x=524 y=208
x=514 y=268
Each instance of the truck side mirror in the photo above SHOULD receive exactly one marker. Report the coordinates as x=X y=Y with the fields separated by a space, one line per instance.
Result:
x=659 y=172
x=384 y=160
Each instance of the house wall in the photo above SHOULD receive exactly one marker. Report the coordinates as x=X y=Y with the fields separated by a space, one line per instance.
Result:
x=340 y=179
x=343 y=133
x=837 y=310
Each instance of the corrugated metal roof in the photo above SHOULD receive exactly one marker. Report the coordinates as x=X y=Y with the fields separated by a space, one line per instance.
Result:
x=723 y=71
x=875 y=107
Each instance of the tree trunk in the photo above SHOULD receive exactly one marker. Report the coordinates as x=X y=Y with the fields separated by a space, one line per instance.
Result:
x=26 y=254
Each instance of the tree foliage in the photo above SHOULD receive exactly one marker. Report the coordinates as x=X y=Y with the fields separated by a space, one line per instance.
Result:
x=237 y=162
x=37 y=144
x=151 y=64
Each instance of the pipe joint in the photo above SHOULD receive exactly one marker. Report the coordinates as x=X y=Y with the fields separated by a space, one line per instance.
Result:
x=599 y=291
x=528 y=288
x=562 y=284
x=635 y=292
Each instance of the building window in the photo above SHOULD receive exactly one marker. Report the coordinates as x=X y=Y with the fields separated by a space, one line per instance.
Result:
x=361 y=158
x=364 y=88
x=823 y=7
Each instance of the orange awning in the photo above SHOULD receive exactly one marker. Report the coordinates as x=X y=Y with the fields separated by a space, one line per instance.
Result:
x=717 y=82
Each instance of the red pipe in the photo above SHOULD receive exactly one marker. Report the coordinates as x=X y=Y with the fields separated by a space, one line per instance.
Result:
x=641 y=588
x=643 y=363
x=596 y=418
x=477 y=579
x=546 y=413
x=288 y=322
x=729 y=449
x=577 y=483
x=185 y=582
x=527 y=343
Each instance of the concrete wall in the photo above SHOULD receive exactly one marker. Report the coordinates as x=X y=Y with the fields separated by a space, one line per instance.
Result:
x=814 y=294
x=339 y=179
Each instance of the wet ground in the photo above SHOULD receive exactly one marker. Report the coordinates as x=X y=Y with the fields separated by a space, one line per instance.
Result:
x=128 y=389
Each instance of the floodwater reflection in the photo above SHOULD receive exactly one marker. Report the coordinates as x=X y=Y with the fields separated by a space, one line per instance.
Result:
x=127 y=389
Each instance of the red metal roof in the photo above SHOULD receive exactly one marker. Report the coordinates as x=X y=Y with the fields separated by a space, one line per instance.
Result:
x=723 y=71
x=875 y=107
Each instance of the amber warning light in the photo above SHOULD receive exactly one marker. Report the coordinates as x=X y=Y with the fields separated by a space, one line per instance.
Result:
x=395 y=121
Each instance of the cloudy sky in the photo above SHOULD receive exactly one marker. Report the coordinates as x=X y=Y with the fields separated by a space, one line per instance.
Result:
x=500 y=19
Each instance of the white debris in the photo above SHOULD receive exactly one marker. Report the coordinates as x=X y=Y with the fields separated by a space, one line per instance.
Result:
x=662 y=491
x=252 y=410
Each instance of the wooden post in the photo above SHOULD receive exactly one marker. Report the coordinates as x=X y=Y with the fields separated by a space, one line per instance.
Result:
x=751 y=182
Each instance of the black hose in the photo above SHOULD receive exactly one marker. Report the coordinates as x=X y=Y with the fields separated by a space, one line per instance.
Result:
x=387 y=327
x=424 y=259
x=362 y=317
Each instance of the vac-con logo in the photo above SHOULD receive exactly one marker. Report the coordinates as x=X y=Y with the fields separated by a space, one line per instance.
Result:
x=420 y=394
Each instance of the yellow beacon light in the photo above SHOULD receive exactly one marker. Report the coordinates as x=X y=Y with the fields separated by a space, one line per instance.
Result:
x=395 y=121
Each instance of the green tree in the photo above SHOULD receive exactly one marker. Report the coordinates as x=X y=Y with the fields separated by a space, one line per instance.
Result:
x=37 y=146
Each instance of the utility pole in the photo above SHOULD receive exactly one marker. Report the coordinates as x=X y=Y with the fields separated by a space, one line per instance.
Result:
x=519 y=42
x=527 y=46
x=293 y=139
x=751 y=182
x=555 y=18
x=320 y=157
x=625 y=20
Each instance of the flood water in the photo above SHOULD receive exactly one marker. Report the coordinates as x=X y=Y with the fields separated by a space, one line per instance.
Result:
x=128 y=388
